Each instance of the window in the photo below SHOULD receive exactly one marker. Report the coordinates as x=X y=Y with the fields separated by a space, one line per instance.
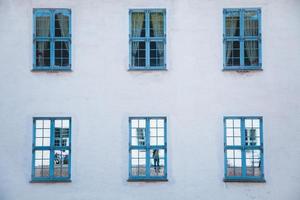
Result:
x=52 y=39
x=147 y=39
x=242 y=39
x=51 y=149
x=243 y=149
x=147 y=148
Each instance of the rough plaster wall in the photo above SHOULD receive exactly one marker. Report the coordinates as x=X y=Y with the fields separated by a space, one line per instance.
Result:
x=100 y=94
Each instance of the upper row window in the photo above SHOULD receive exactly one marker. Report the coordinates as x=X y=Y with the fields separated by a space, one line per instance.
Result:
x=52 y=39
x=242 y=39
x=147 y=39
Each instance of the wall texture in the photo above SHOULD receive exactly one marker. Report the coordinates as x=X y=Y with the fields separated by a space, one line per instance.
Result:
x=100 y=94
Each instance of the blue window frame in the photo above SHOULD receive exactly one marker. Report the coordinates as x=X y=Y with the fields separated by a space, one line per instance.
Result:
x=242 y=39
x=243 y=149
x=51 y=149
x=147 y=39
x=51 y=39
x=147 y=149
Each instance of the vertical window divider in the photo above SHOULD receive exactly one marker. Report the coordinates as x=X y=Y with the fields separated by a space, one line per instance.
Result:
x=242 y=38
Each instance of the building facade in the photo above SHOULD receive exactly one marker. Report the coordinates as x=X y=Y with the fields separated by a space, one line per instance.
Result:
x=164 y=99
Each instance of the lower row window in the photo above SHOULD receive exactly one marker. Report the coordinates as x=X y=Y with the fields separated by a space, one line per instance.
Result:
x=243 y=148
x=147 y=148
x=51 y=149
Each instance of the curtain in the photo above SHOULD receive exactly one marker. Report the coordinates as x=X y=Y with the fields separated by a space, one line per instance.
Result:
x=251 y=29
x=158 y=31
x=63 y=24
x=137 y=23
x=42 y=30
x=233 y=28
x=251 y=49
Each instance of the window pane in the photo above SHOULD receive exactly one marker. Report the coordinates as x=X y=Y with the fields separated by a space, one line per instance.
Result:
x=232 y=53
x=138 y=53
x=138 y=24
x=253 y=163
x=157 y=162
x=42 y=26
x=232 y=23
x=251 y=53
x=156 y=53
x=138 y=162
x=41 y=163
x=61 y=135
x=252 y=132
x=251 y=23
x=156 y=24
x=62 y=53
x=234 y=162
x=61 y=162
x=61 y=25
x=42 y=53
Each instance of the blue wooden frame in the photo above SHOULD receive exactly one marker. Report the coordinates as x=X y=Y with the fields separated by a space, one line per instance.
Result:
x=147 y=39
x=147 y=148
x=52 y=39
x=241 y=39
x=51 y=148
x=243 y=148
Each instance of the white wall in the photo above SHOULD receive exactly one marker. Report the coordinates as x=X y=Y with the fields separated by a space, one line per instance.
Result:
x=100 y=94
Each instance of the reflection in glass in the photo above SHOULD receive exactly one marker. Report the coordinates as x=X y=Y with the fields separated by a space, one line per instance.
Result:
x=253 y=163
x=157 y=162
x=234 y=162
x=61 y=162
x=138 y=162
x=41 y=166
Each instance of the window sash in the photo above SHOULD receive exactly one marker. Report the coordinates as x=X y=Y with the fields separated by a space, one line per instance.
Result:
x=148 y=148
x=51 y=148
x=147 y=39
x=243 y=148
x=52 y=38
x=241 y=38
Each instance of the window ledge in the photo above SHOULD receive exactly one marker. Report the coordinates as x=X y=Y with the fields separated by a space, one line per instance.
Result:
x=245 y=180
x=243 y=69
x=51 y=70
x=147 y=69
x=148 y=180
x=51 y=181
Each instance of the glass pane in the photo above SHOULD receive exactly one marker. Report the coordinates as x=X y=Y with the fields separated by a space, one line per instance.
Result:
x=61 y=163
x=41 y=166
x=253 y=163
x=62 y=53
x=42 y=133
x=62 y=135
x=234 y=162
x=252 y=132
x=251 y=53
x=232 y=53
x=156 y=53
x=138 y=54
x=251 y=23
x=157 y=132
x=42 y=26
x=157 y=162
x=42 y=53
x=61 y=25
x=138 y=24
x=138 y=162
x=156 y=24
x=232 y=23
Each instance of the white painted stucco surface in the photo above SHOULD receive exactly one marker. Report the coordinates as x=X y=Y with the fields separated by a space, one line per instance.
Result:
x=100 y=94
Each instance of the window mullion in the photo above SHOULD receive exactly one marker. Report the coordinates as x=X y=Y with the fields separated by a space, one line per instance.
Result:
x=147 y=147
x=147 y=35
x=52 y=35
x=51 y=166
x=243 y=147
x=242 y=38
